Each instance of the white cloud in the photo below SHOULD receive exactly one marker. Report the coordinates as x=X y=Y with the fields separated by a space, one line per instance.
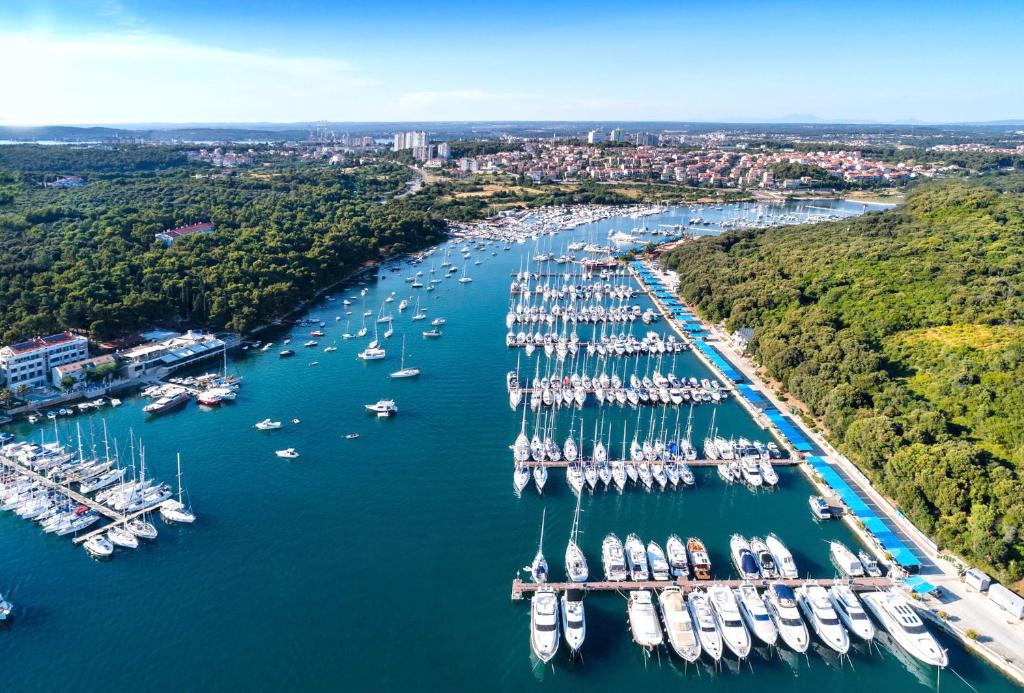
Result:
x=145 y=77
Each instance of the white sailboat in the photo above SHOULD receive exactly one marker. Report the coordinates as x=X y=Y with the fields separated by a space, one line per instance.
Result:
x=404 y=372
x=539 y=567
x=175 y=510
x=575 y=562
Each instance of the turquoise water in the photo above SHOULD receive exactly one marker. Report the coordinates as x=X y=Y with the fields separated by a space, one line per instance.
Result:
x=386 y=562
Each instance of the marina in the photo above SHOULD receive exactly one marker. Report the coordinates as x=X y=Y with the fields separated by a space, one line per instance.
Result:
x=295 y=528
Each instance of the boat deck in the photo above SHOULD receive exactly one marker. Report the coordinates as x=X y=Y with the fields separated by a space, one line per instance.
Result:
x=521 y=588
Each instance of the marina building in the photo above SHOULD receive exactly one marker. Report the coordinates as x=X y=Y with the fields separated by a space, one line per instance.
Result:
x=168 y=237
x=169 y=353
x=79 y=370
x=29 y=363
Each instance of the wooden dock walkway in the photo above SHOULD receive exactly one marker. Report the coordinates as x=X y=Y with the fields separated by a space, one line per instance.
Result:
x=122 y=519
x=521 y=588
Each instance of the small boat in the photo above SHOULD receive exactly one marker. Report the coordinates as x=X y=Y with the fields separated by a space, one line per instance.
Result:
x=817 y=609
x=285 y=353
x=656 y=561
x=643 y=620
x=699 y=558
x=820 y=509
x=544 y=624
x=850 y=611
x=680 y=626
x=707 y=627
x=870 y=564
x=5 y=609
x=98 y=546
x=432 y=333
x=404 y=372
x=730 y=623
x=781 y=604
x=437 y=322
x=574 y=624
x=268 y=425
x=900 y=620
x=175 y=509
x=539 y=567
x=287 y=453
x=310 y=343
x=613 y=558
x=844 y=560
x=351 y=436
x=383 y=408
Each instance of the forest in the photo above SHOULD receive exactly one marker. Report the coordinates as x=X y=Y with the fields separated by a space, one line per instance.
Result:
x=901 y=332
x=87 y=258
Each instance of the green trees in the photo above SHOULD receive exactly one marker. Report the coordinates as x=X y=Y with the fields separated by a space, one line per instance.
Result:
x=903 y=333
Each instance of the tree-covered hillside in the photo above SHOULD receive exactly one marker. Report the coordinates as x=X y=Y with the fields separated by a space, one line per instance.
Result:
x=902 y=332
x=87 y=258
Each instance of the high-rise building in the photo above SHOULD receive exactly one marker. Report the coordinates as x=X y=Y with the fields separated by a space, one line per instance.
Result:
x=616 y=135
x=409 y=140
x=595 y=136
x=644 y=139
x=399 y=142
x=444 y=151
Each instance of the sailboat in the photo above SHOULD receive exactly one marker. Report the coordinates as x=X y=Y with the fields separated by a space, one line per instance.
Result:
x=539 y=567
x=420 y=314
x=404 y=372
x=465 y=278
x=575 y=562
x=373 y=351
x=175 y=510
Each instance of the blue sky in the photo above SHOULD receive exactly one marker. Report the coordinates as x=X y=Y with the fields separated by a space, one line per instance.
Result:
x=120 y=61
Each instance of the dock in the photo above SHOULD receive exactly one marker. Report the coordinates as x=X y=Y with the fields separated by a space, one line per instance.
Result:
x=521 y=588
x=700 y=462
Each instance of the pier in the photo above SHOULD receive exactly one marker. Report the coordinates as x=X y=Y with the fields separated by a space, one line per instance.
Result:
x=521 y=588
x=702 y=462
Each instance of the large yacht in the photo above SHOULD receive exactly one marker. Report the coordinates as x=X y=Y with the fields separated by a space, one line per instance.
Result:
x=679 y=625
x=783 y=558
x=636 y=558
x=851 y=613
x=743 y=558
x=817 y=608
x=544 y=624
x=900 y=620
x=765 y=559
x=643 y=620
x=614 y=559
x=755 y=614
x=657 y=562
x=845 y=560
x=675 y=552
x=699 y=559
x=781 y=604
x=730 y=623
x=707 y=627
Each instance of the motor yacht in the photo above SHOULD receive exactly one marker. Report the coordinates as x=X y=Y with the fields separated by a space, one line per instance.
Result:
x=817 y=609
x=98 y=546
x=699 y=558
x=730 y=623
x=707 y=627
x=679 y=624
x=544 y=624
x=659 y=566
x=167 y=403
x=613 y=559
x=755 y=614
x=574 y=624
x=383 y=408
x=268 y=425
x=850 y=611
x=643 y=620
x=781 y=604
x=768 y=473
x=870 y=564
x=783 y=558
x=5 y=609
x=636 y=559
x=765 y=559
x=675 y=552
x=844 y=560
x=287 y=453
x=743 y=558
x=820 y=509
x=898 y=618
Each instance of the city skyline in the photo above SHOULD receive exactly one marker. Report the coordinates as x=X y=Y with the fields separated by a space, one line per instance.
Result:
x=108 y=62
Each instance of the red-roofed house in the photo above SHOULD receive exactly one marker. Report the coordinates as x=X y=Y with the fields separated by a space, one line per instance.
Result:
x=169 y=235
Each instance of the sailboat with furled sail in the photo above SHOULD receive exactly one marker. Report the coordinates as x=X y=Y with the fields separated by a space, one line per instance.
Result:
x=575 y=562
x=403 y=372
x=176 y=510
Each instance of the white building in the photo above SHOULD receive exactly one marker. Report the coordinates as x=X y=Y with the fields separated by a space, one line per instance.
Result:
x=165 y=355
x=29 y=362
x=409 y=140
x=595 y=136
x=78 y=370
x=444 y=151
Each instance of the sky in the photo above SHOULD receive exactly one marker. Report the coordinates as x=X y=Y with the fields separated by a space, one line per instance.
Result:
x=241 y=61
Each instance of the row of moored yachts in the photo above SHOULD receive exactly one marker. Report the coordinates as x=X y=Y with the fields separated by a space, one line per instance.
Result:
x=554 y=344
x=580 y=314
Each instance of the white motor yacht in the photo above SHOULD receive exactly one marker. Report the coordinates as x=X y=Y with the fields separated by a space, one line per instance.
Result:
x=765 y=559
x=817 y=609
x=707 y=627
x=574 y=624
x=675 y=552
x=783 y=558
x=99 y=546
x=870 y=564
x=755 y=614
x=781 y=604
x=730 y=623
x=5 y=609
x=643 y=620
x=679 y=624
x=636 y=558
x=850 y=611
x=544 y=624
x=268 y=425
x=383 y=408
x=743 y=558
x=613 y=559
x=119 y=535
x=900 y=620
x=844 y=559
x=768 y=473
x=659 y=566
x=287 y=453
